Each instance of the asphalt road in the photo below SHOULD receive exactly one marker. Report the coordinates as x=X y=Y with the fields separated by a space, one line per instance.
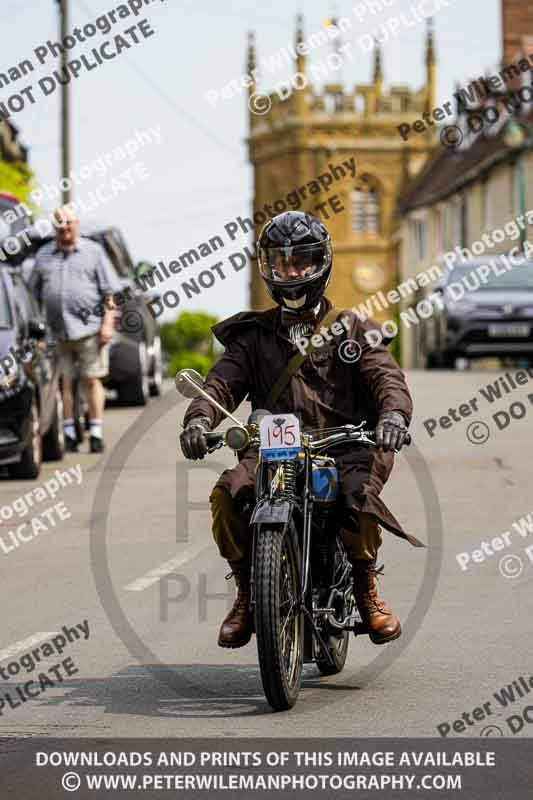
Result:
x=151 y=666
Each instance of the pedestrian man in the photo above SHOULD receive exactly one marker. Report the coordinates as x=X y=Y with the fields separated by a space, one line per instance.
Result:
x=74 y=282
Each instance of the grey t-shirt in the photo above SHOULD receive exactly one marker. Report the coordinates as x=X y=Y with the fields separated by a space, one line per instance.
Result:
x=70 y=287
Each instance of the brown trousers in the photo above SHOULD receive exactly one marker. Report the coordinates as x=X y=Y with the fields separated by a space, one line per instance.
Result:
x=231 y=531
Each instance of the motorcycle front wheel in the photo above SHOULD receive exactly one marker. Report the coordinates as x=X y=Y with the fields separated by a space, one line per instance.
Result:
x=278 y=618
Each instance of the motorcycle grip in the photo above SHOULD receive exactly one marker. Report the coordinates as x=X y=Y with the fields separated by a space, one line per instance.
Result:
x=213 y=438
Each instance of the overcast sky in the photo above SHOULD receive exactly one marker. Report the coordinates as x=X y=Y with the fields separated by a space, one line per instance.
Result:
x=199 y=178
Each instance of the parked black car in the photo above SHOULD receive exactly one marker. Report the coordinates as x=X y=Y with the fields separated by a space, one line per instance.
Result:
x=31 y=407
x=135 y=359
x=495 y=319
x=15 y=217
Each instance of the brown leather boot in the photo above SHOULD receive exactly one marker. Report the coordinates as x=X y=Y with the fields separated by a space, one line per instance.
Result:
x=236 y=629
x=383 y=626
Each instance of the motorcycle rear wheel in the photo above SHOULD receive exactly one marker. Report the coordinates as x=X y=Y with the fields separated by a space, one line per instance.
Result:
x=278 y=622
x=337 y=645
x=338 y=650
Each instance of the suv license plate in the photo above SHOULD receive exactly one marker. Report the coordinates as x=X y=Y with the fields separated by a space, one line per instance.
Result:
x=510 y=331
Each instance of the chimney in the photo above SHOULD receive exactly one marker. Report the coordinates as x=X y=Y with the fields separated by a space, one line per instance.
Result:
x=517 y=29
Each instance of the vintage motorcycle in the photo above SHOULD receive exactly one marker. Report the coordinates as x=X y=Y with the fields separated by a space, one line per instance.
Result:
x=302 y=588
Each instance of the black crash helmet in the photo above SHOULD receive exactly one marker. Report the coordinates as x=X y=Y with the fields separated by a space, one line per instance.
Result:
x=295 y=259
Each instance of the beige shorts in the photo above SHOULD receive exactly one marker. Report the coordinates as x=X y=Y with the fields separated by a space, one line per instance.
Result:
x=92 y=359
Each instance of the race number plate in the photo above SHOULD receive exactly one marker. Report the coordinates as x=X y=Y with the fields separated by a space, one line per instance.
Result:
x=280 y=437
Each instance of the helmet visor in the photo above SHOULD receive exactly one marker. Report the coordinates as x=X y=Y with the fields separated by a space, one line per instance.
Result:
x=288 y=265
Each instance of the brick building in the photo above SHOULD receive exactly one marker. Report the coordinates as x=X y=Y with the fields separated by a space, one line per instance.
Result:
x=517 y=29
x=483 y=184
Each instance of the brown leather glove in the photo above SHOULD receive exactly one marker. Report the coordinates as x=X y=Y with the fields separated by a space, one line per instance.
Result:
x=391 y=431
x=192 y=439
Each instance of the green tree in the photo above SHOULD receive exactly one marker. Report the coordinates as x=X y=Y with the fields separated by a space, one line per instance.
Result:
x=188 y=342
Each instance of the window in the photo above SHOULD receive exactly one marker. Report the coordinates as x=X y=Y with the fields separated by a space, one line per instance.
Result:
x=419 y=238
x=463 y=221
x=365 y=206
x=485 y=204
x=442 y=230
x=518 y=205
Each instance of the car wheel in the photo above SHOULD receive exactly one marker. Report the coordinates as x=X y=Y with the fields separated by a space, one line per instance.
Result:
x=136 y=392
x=54 y=439
x=447 y=360
x=29 y=465
x=431 y=361
x=156 y=378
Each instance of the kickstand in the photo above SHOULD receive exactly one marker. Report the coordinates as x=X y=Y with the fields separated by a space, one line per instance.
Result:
x=319 y=638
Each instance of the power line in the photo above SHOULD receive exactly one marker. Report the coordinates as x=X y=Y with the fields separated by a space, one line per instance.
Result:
x=229 y=13
x=196 y=215
x=169 y=100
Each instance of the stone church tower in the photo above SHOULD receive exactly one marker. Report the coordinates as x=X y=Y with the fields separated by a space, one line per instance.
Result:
x=297 y=139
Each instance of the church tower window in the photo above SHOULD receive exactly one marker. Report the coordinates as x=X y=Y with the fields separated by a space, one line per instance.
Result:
x=365 y=206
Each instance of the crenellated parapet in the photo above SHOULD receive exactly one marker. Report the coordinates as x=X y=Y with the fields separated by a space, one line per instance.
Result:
x=298 y=99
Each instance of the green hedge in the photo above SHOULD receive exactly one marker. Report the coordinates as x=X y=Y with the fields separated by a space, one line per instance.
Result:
x=190 y=359
x=187 y=341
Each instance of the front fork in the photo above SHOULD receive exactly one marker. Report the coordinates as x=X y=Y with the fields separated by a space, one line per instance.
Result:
x=266 y=516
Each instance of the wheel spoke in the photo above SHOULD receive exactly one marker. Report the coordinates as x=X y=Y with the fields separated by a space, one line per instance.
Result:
x=288 y=597
x=288 y=617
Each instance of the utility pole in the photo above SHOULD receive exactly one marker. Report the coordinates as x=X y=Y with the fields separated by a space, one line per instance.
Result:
x=65 y=100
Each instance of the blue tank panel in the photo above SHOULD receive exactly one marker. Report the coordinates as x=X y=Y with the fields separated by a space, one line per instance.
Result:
x=325 y=483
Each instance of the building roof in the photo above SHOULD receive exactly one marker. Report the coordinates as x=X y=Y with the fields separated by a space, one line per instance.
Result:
x=449 y=170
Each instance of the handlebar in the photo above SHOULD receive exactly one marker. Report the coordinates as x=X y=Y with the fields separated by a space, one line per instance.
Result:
x=216 y=439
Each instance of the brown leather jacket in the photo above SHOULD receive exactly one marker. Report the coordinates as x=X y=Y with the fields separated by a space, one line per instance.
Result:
x=326 y=391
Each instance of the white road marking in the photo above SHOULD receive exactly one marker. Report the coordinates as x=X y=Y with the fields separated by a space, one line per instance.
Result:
x=26 y=644
x=155 y=574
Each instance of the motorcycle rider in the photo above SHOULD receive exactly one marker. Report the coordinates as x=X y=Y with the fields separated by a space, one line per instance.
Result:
x=295 y=261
